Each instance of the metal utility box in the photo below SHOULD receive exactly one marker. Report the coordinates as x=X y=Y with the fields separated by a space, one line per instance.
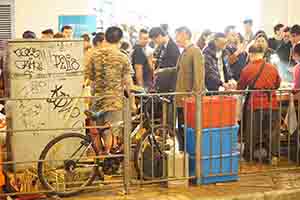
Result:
x=38 y=74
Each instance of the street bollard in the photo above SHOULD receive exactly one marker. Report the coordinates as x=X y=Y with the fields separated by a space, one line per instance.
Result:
x=198 y=123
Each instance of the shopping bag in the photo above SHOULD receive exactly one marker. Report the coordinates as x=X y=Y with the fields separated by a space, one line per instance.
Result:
x=291 y=117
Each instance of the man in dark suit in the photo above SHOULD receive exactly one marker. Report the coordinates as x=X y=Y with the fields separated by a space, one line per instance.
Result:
x=168 y=52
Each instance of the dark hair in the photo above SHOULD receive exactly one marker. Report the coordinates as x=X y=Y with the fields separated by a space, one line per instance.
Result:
x=58 y=35
x=287 y=29
x=86 y=37
x=144 y=31
x=184 y=29
x=228 y=29
x=206 y=33
x=125 y=46
x=68 y=27
x=254 y=49
x=99 y=37
x=219 y=35
x=165 y=28
x=261 y=33
x=48 y=31
x=297 y=49
x=248 y=21
x=295 y=29
x=155 y=32
x=29 y=35
x=278 y=27
x=113 y=34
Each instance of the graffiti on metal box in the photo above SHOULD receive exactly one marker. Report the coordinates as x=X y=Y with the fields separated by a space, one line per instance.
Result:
x=66 y=63
x=28 y=60
x=62 y=102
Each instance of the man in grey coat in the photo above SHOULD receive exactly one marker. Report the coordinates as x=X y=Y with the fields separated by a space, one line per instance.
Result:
x=190 y=73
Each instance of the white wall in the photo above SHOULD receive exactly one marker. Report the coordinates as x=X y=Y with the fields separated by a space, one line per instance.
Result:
x=294 y=14
x=273 y=12
x=38 y=15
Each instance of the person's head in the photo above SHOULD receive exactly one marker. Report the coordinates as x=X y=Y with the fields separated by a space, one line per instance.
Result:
x=248 y=24
x=157 y=35
x=29 y=35
x=86 y=41
x=58 y=35
x=165 y=28
x=220 y=41
x=125 y=46
x=205 y=35
x=183 y=36
x=98 y=39
x=143 y=37
x=256 y=53
x=204 y=38
x=295 y=34
x=230 y=34
x=261 y=41
x=47 y=34
x=113 y=35
x=67 y=31
x=278 y=29
x=286 y=34
x=296 y=53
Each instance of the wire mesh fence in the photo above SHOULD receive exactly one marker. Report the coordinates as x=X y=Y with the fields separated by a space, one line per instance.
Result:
x=173 y=139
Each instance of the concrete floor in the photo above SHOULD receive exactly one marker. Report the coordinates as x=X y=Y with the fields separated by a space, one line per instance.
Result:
x=249 y=187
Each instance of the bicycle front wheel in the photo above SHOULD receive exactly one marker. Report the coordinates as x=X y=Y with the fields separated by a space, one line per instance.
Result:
x=150 y=153
x=67 y=164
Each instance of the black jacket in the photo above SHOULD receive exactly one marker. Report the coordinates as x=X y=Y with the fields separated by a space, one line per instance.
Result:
x=168 y=55
x=212 y=75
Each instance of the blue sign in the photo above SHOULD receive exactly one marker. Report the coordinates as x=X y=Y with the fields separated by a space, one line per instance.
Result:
x=81 y=23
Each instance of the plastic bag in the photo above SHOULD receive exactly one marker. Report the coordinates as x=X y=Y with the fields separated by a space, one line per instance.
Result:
x=291 y=117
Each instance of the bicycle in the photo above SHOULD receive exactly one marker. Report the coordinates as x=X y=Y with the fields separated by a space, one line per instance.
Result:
x=82 y=155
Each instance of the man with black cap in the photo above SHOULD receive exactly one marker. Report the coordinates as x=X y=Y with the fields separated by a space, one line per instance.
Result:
x=218 y=75
x=295 y=33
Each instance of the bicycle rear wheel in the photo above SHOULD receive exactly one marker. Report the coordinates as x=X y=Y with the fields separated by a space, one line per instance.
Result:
x=66 y=165
x=150 y=153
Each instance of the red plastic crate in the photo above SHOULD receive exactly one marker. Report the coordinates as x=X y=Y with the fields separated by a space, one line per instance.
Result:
x=217 y=111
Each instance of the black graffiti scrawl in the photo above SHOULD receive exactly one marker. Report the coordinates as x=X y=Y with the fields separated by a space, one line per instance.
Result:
x=66 y=63
x=28 y=60
x=62 y=102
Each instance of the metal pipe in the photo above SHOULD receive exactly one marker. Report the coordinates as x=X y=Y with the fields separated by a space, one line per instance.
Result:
x=198 y=138
x=127 y=130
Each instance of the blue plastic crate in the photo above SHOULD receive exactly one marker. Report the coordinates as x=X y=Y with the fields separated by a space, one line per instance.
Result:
x=213 y=172
x=211 y=141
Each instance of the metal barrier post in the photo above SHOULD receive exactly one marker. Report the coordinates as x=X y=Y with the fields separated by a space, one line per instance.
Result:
x=198 y=138
x=127 y=129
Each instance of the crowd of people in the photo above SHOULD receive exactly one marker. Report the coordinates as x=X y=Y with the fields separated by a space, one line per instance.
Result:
x=218 y=61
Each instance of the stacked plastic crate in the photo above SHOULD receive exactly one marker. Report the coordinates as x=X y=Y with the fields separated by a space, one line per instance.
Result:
x=219 y=146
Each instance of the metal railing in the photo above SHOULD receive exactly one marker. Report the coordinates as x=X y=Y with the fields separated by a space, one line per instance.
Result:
x=176 y=137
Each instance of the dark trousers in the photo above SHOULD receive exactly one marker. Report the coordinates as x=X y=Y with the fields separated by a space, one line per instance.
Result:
x=180 y=128
x=261 y=132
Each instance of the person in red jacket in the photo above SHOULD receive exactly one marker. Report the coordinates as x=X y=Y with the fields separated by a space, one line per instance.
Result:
x=261 y=116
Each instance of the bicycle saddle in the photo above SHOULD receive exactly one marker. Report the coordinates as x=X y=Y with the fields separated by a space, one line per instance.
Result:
x=94 y=115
